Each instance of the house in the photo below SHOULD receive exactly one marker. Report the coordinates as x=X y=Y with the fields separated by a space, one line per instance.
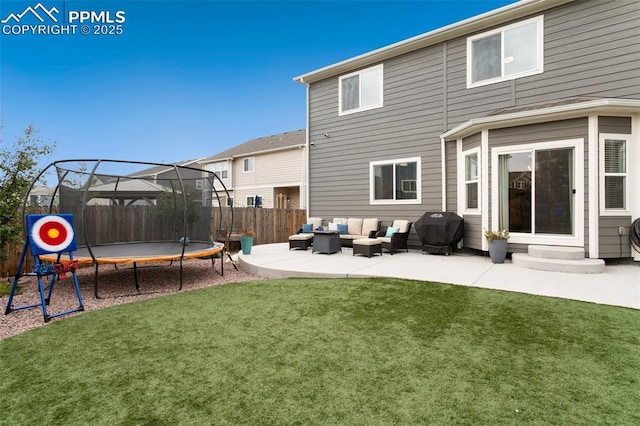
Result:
x=42 y=196
x=144 y=186
x=525 y=118
x=269 y=169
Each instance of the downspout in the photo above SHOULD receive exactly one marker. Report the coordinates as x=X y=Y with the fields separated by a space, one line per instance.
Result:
x=443 y=166
x=305 y=166
x=635 y=159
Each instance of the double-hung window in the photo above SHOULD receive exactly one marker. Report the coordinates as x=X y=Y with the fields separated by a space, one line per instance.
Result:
x=395 y=181
x=361 y=90
x=247 y=164
x=614 y=172
x=221 y=169
x=472 y=180
x=506 y=53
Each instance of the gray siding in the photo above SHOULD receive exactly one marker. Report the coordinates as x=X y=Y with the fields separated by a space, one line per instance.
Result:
x=339 y=165
x=611 y=243
x=620 y=125
x=452 y=177
x=591 y=50
x=471 y=142
x=473 y=232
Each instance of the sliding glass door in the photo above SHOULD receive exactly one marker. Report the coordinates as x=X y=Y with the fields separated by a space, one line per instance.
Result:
x=535 y=191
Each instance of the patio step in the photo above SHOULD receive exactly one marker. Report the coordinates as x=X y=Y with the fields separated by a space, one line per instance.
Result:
x=557 y=252
x=558 y=259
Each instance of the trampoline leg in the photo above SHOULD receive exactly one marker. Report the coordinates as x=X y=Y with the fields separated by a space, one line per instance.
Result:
x=95 y=282
x=180 y=287
x=231 y=260
x=135 y=276
x=213 y=264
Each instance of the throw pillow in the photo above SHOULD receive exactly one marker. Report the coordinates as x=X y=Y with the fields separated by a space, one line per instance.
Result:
x=342 y=228
x=307 y=227
x=390 y=231
x=333 y=226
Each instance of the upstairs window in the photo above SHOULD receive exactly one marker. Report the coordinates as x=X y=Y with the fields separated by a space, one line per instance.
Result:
x=247 y=164
x=361 y=90
x=220 y=169
x=506 y=53
x=613 y=189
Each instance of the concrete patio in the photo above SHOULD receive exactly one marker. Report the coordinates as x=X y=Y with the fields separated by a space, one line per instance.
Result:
x=618 y=285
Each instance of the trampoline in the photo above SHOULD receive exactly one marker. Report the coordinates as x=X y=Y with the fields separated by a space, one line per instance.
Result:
x=129 y=212
x=137 y=252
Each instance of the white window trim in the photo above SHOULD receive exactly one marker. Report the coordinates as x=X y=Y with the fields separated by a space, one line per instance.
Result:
x=361 y=108
x=576 y=240
x=199 y=184
x=253 y=164
x=540 y=53
x=218 y=168
x=603 y=210
x=372 y=164
x=462 y=182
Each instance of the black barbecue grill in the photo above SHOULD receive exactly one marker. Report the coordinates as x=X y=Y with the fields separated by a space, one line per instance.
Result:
x=440 y=232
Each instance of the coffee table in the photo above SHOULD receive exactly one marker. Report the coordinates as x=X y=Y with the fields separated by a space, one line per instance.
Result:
x=326 y=242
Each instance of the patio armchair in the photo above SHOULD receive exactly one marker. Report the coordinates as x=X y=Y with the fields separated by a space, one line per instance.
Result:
x=303 y=239
x=396 y=236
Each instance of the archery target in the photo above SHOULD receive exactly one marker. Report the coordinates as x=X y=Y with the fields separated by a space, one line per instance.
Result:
x=51 y=233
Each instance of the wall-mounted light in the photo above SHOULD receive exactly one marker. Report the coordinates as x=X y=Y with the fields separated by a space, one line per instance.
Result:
x=327 y=135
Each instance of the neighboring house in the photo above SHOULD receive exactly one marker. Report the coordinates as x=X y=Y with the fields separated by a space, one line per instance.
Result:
x=270 y=168
x=146 y=184
x=42 y=196
x=525 y=118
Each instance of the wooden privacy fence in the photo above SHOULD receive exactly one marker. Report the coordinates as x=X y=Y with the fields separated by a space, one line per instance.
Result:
x=139 y=223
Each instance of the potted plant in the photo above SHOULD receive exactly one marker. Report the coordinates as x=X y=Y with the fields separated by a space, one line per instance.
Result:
x=246 y=240
x=497 y=244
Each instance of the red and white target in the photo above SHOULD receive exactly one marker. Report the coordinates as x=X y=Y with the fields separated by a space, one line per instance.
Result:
x=51 y=233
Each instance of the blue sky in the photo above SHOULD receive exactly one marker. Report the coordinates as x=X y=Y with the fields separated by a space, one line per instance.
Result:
x=188 y=79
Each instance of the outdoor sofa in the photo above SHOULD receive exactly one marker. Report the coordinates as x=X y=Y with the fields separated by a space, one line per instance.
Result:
x=354 y=229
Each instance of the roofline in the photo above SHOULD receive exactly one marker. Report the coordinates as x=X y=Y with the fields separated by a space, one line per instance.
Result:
x=169 y=167
x=460 y=28
x=249 y=154
x=621 y=106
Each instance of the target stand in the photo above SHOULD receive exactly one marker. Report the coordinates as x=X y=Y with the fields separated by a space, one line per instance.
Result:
x=48 y=234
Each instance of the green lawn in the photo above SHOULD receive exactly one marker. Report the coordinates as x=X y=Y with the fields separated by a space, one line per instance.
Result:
x=319 y=351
